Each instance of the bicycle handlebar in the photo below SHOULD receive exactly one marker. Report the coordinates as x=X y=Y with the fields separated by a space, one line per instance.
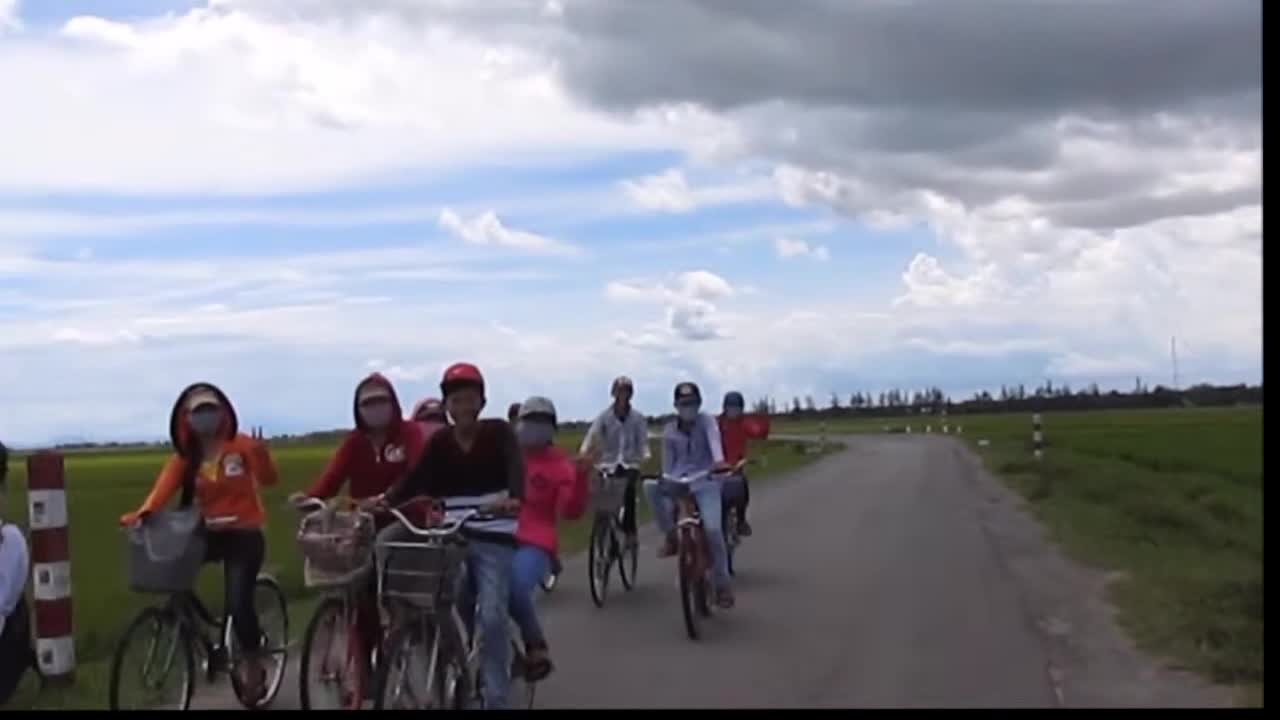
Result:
x=685 y=480
x=448 y=528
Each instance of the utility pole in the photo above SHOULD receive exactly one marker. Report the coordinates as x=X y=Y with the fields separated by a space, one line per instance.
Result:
x=1173 y=353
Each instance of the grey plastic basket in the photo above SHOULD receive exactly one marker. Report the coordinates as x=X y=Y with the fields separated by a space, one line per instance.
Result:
x=422 y=573
x=607 y=492
x=166 y=550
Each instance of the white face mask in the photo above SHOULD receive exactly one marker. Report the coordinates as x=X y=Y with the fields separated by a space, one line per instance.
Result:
x=377 y=416
x=687 y=413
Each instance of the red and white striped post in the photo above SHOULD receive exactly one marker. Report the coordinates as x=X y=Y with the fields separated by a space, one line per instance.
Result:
x=50 y=566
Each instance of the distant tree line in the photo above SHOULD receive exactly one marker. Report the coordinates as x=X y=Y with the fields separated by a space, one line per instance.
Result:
x=1010 y=398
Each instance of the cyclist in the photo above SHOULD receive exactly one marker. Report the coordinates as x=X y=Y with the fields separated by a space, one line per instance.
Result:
x=16 y=648
x=378 y=452
x=733 y=432
x=554 y=488
x=223 y=469
x=473 y=464
x=690 y=445
x=622 y=436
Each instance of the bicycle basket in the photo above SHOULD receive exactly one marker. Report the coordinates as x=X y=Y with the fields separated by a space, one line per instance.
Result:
x=607 y=492
x=165 y=551
x=336 y=547
x=421 y=573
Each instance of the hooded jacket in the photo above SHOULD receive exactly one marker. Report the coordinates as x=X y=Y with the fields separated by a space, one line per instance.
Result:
x=226 y=487
x=369 y=468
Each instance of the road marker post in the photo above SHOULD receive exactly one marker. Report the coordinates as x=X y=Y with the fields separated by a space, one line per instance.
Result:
x=1037 y=437
x=51 y=566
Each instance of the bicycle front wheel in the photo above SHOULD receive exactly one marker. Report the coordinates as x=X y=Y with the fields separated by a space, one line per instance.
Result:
x=153 y=667
x=273 y=645
x=690 y=584
x=600 y=559
x=628 y=562
x=408 y=673
x=331 y=677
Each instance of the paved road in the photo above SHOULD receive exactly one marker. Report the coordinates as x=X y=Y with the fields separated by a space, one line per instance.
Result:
x=894 y=574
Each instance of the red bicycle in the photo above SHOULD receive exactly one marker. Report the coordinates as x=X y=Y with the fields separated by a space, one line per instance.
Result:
x=336 y=540
x=694 y=554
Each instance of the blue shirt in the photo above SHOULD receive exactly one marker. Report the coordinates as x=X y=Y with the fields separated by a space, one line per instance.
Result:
x=695 y=451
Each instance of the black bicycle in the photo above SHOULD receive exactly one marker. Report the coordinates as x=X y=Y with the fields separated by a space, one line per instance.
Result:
x=165 y=642
x=608 y=542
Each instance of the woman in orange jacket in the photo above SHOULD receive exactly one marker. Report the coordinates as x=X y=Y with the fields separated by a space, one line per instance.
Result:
x=222 y=468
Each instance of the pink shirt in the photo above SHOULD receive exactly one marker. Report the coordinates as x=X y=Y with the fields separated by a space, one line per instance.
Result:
x=553 y=489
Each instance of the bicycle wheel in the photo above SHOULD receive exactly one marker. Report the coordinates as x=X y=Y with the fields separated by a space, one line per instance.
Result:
x=407 y=677
x=273 y=647
x=689 y=586
x=156 y=647
x=329 y=678
x=628 y=561
x=600 y=559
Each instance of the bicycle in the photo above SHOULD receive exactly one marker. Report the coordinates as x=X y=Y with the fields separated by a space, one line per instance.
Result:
x=693 y=553
x=431 y=658
x=607 y=544
x=336 y=540
x=194 y=632
x=729 y=518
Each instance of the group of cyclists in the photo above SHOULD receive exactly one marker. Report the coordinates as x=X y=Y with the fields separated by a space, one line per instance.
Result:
x=510 y=470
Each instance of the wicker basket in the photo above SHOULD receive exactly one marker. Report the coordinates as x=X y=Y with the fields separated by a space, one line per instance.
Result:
x=421 y=573
x=607 y=492
x=337 y=548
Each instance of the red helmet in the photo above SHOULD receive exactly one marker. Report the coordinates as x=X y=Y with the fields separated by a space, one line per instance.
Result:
x=461 y=375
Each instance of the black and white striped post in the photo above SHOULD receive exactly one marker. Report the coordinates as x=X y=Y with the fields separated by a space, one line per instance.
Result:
x=1037 y=437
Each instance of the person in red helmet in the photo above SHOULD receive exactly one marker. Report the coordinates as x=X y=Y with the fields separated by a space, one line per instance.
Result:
x=372 y=457
x=474 y=463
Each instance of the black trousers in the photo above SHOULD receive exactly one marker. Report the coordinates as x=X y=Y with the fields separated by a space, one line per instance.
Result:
x=629 y=503
x=240 y=551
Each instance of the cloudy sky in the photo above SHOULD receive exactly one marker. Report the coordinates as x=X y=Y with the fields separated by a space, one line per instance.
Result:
x=781 y=197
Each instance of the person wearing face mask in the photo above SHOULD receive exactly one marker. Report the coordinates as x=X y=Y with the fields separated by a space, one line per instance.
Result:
x=473 y=464
x=17 y=652
x=733 y=432
x=555 y=488
x=372 y=457
x=429 y=412
x=691 y=445
x=223 y=469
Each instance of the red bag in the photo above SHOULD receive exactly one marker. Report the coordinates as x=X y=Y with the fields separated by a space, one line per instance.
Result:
x=757 y=426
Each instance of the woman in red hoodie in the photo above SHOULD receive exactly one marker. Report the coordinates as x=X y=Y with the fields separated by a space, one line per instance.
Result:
x=555 y=487
x=378 y=452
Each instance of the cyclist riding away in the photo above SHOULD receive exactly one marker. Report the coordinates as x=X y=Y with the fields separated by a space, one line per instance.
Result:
x=372 y=457
x=554 y=488
x=733 y=432
x=473 y=464
x=621 y=435
x=223 y=469
x=690 y=446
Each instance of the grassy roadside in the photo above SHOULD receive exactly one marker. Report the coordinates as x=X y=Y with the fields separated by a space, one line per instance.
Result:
x=102 y=487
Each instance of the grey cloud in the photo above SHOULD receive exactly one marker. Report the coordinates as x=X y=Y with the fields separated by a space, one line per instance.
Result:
x=928 y=55
x=1139 y=210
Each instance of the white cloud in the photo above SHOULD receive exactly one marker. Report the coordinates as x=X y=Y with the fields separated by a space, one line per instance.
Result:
x=788 y=248
x=9 y=20
x=487 y=229
x=281 y=102
x=669 y=191
x=691 y=313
